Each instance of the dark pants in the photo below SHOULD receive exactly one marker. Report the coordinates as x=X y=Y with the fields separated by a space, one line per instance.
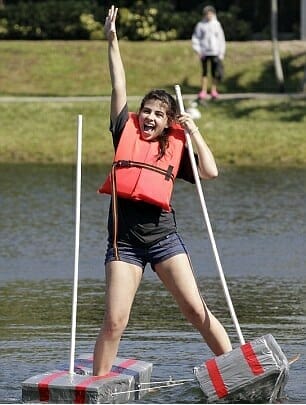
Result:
x=216 y=66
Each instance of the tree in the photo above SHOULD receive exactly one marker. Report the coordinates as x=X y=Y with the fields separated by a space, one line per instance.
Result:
x=303 y=37
x=276 y=56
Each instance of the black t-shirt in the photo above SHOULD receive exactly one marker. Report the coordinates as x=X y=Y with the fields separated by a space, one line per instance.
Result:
x=139 y=222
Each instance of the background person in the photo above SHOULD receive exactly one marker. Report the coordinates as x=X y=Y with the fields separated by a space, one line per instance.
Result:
x=142 y=232
x=209 y=42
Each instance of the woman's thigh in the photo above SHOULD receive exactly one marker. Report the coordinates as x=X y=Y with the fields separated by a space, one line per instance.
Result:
x=177 y=276
x=122 y=282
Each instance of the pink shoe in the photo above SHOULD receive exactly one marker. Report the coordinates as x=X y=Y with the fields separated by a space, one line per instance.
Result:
x=202 y=95
x=214 y=94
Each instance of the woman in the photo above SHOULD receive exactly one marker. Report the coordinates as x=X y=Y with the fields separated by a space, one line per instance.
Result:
x=150 y=150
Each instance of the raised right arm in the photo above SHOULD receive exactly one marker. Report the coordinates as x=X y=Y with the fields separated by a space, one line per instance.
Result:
x=116 y=69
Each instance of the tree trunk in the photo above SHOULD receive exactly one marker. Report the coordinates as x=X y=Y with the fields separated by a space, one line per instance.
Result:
x=304 y=80
x=303 y=19
x=276 y=56
x=303 y=37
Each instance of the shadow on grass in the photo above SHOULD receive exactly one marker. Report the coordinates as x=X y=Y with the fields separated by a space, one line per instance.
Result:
x=293 y=68
x=289 y=110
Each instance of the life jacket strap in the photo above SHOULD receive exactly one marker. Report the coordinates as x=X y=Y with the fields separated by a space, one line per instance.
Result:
x=130 y=163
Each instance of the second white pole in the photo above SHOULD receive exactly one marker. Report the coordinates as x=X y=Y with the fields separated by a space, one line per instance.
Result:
x=207 y=220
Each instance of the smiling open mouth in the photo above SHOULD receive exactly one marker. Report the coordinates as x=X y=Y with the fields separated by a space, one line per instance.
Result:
x=148 y=127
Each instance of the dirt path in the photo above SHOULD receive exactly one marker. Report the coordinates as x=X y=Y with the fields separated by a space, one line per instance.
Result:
x=75 y=99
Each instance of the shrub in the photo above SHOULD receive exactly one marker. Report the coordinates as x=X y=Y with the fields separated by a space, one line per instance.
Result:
x=234 y=28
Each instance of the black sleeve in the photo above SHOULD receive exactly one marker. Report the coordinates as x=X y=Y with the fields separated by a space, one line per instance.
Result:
x=118 y=125
x=185 y=170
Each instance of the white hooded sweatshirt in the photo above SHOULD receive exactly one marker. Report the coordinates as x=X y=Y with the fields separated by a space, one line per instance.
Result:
x=208 y=38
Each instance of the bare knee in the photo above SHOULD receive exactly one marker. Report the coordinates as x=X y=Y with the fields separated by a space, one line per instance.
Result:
x=113 y=328
x=196 y=316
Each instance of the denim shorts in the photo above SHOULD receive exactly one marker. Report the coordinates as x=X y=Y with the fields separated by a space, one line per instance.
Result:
x=170 y=246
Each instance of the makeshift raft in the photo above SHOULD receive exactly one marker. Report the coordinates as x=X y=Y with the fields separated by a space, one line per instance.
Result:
x=121 y=385
x=252 y=373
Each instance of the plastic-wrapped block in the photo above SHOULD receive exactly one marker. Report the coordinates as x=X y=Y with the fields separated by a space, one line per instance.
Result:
x=254 y=372
x=140 y=370
x=60 y=386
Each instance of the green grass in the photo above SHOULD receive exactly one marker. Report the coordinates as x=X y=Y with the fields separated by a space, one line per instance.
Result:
x=242 y=133
x=68 y=68
x=258 y=132
x=267 y=132
x=46 y=132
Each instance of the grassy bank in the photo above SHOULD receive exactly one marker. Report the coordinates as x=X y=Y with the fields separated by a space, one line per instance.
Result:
x=80 y=67
x=249 y=132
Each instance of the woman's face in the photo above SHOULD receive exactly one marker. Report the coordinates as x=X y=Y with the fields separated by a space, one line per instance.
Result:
x=153 y=119
x=209 y=15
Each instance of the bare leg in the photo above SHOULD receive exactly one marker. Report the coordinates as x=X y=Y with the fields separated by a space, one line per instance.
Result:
x=122 y=281
x=214 y=85
x=177 y=276
x=204 y=83
x=214 y=93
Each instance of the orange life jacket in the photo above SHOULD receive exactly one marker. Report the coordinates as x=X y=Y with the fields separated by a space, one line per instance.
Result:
x=137 y=174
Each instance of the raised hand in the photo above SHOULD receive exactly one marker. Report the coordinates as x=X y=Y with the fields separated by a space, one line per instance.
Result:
x=110 y=23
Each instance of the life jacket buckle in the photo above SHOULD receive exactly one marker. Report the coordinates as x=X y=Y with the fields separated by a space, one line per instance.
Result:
x=169 y=174
x=122 y=163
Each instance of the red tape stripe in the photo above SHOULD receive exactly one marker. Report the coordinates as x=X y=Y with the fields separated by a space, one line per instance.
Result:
x=80 y=390
x=216 y=378
x=43 y=385
x=252 y=359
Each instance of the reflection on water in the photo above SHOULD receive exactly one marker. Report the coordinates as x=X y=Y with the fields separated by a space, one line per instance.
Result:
x=258 y=219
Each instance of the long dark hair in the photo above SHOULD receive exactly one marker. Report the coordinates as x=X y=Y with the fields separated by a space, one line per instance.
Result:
x=172 y=111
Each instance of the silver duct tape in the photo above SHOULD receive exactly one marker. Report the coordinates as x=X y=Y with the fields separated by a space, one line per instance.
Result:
x=59 y=386
x=256 y=371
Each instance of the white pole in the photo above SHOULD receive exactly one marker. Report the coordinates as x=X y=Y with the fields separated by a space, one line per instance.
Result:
x=205 y=213
x=77 y=241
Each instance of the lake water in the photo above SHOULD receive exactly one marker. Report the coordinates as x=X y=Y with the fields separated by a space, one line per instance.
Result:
x=258 y=218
